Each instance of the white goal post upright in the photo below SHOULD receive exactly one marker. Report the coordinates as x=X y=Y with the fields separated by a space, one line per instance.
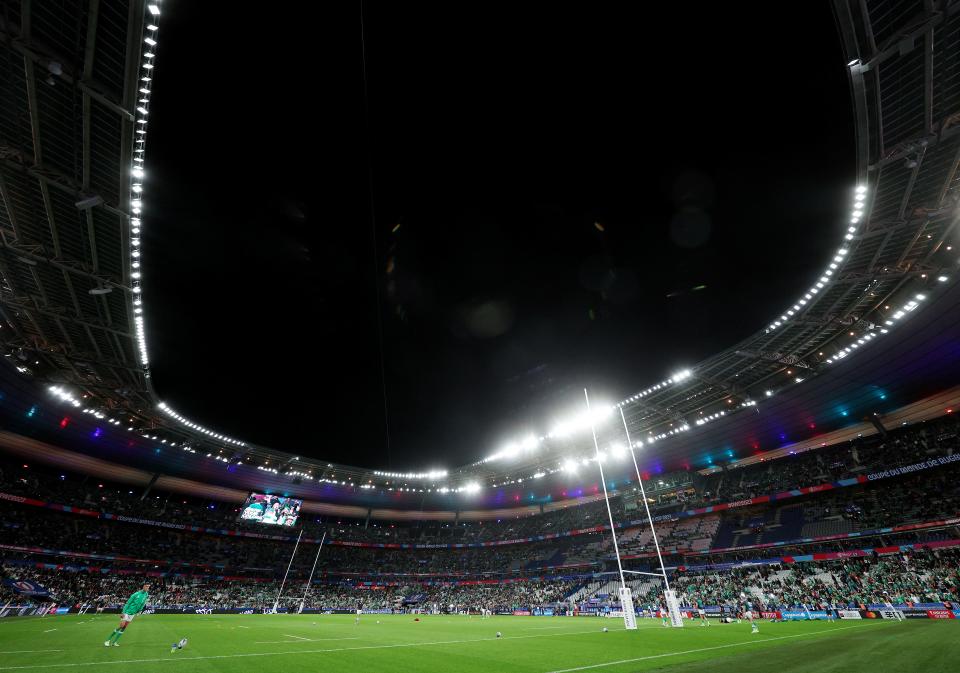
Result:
x=276 y=603
x=310 y=579
x=626 y=599
x=670 y=596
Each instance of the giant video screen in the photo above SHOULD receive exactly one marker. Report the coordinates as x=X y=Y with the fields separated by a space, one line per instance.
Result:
x=271 y=509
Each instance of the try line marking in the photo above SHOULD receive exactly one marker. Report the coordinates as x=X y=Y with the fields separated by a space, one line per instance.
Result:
x=277 y=654
x=703 y=649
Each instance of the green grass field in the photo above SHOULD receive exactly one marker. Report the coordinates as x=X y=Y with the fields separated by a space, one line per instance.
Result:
x=259 y=643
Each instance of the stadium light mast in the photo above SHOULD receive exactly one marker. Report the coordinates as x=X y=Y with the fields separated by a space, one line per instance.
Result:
x=667 y=593
x=626 y=599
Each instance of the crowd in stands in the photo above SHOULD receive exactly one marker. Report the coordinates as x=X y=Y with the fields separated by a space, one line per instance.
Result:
x=164 y=548
x=900 y=578
x=918 y=497
x=903 y=446
x=671 y=492
x=858 y=508
x=919 y=577
x=74 y=588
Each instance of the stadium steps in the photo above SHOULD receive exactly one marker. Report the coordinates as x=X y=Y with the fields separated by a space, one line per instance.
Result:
x=726 y=535
x=790 y=523
x=579 y=592
x=830 y=526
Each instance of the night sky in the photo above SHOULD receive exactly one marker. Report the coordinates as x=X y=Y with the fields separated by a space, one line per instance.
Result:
x=530 y=199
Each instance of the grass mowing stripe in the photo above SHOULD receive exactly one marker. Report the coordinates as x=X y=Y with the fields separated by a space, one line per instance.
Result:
x=544 y=628
x=28 y=651
x=277 y=654
x=703 y=649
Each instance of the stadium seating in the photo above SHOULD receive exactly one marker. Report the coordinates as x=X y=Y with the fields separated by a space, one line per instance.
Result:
x=197 y=566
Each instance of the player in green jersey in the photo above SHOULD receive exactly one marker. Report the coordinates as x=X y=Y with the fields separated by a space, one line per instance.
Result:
x=134 y=605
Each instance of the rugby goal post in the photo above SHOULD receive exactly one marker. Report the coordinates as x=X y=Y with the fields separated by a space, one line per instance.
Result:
x=673 y=607
x=626 y=597
x=626 y=604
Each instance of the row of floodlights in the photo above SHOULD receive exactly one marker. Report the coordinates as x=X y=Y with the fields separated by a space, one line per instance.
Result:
x=908 y=307
x=432 y=474
x=163 y=406
x=615 y=451
x=859 y=207
x=581 y=422
x=676 y=378
x=136 y=187
x=66 y=396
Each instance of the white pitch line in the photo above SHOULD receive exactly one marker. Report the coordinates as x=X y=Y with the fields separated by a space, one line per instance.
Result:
x=277 y=654
x=243 y=627
x=702 y=649
x=309 y=640
x=49 y=630
x=297 y=637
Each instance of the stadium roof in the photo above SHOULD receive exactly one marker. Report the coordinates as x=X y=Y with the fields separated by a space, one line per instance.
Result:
x=67 y=140
x=76 y=83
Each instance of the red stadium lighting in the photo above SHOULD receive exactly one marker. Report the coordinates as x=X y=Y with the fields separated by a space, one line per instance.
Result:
x=64 y=422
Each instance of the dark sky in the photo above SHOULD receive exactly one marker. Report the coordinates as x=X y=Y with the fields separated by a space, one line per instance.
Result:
x=563 y=177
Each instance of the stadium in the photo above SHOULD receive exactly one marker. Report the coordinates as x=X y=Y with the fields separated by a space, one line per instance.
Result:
x=787 y=500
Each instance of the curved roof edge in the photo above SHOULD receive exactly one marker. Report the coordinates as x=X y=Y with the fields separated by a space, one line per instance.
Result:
x=906 y=104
